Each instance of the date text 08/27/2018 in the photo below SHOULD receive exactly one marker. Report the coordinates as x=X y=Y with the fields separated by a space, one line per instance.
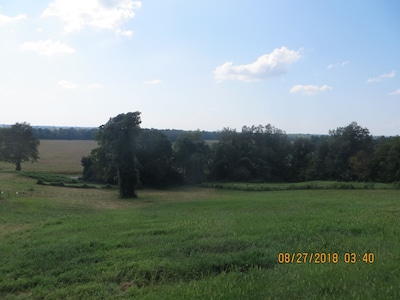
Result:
x=323 y=258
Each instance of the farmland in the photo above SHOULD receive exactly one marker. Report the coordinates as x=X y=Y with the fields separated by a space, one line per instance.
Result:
x=191 y=242
x=58 y=156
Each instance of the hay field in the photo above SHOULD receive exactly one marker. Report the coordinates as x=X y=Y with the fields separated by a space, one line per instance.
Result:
x=57 y=156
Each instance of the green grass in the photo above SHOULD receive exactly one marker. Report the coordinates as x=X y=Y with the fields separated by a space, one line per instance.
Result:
x=195 y=243
x=309 y=185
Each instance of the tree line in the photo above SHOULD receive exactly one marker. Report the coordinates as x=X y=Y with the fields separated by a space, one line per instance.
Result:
x=256 y=154
x=88 y=133
x=60 y=133
x=132 y=157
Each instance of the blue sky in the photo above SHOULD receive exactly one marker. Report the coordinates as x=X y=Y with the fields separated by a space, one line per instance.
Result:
x=302 y=66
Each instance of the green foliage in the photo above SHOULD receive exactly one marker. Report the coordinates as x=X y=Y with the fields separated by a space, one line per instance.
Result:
x=154 y=153
x=257 y=153
x=71 y=133
x=345 y=155
x=18 y=144
x=191 y=156
x=385 y=165
x=266 y=154
x=308 y=185
x=49 y=177
x=56 y=180
x=118 y=142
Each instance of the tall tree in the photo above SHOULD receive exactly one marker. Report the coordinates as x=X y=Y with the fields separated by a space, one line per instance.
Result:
x=18 y=144
x=191 y=155
x=345 y=154
x=302 y=151
x=154 y=154
x=118 y=139
x=385 y=163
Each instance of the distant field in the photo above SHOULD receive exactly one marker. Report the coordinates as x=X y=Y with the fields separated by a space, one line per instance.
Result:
x=58 y=156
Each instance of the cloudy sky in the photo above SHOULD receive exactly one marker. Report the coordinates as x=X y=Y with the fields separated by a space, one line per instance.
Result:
x=303 y=66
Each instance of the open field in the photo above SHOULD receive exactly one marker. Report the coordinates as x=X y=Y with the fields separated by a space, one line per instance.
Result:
x=57 y=156
x=195 y=243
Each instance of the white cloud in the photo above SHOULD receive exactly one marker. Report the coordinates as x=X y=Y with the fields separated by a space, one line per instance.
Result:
x=309 y=90
x=342 y=64
x=268 y=65
x=127 y=33
x=93 y=13
x=382 y=77
x=65 y=84
x=47 y=47
x=8 y=20
x=395 y=93
x=152 y=82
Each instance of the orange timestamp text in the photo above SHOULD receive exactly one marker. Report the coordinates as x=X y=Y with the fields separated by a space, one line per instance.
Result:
x=323 y=257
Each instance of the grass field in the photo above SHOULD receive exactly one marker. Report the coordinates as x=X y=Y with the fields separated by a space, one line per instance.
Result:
x=196 y=243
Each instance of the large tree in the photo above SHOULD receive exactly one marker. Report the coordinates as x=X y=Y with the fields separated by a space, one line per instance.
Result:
x=18 y=144
x=258 y=153
x=117 y=140
x=154 y=154
x=385 y=163
x=345 y=154
x=191 y=156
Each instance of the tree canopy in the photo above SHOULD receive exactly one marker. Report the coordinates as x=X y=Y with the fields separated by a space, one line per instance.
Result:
x=256 y=154
x=118 y=142
x=18 y=144
x=191 y=156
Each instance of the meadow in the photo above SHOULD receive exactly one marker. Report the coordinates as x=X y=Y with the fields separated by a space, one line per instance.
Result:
x=194 y=242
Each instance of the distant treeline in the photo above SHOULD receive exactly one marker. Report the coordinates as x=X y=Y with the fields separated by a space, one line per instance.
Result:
x=256 y=154
x=61 y=133
x=79 y=133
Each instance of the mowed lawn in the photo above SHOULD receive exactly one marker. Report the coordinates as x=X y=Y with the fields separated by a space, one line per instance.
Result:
x=195 y=243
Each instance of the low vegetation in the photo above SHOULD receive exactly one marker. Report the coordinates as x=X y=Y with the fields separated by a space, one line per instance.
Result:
x=187 y=243
x=308 y=185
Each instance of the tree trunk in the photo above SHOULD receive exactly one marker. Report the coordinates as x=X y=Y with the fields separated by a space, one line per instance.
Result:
x=18 y=166
x=127 y=184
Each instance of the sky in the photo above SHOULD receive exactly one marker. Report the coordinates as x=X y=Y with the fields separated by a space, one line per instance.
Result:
x=302 y=66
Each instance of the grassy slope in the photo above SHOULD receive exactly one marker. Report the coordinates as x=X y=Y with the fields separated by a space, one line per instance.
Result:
x=194 y=243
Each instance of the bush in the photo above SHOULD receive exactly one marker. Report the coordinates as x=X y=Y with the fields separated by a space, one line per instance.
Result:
x=396 y=185
x=369 y=185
